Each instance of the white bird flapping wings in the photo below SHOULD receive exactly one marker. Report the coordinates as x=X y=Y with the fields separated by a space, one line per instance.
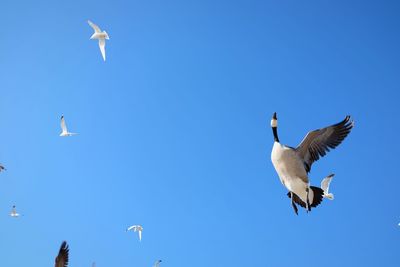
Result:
x=14 y=212
x=136 y=228
x=63 y=125
x=325 y=186
x=94 y=26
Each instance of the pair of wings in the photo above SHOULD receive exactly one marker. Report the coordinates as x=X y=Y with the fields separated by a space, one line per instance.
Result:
x=102 y=42
x=135 y=228
x=317 y=143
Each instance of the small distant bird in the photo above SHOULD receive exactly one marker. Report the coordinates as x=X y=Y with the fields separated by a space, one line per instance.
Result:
x=325 y=186
x=64 y=128
x=102 y=36
x=294 y=164
x=157 y=263
x=14 y=212
x=62 y=257
x=136 y=228
x=2 y=168
x=93 y=264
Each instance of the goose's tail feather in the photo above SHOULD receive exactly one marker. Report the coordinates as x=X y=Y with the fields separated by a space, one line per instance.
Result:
x=316 y=196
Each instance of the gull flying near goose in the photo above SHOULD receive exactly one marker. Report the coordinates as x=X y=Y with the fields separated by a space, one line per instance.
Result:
x=62 y=257
x=157 y=263
x=64 y=128
x=14 y=212
x=294 y=164
x=136 y=228
x=102 y=36
x=325 y=186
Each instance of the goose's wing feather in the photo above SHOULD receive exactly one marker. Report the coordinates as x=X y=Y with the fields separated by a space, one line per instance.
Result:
x=63 y=125
x=62 y=257
x=317 y=143
x=102 y=45
x=325 y=183
x=94 y=26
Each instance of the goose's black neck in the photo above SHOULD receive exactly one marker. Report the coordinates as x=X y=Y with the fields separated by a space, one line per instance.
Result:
x=275 y=132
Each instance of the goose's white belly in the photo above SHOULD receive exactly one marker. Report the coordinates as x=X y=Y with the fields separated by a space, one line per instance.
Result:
x=290 y=169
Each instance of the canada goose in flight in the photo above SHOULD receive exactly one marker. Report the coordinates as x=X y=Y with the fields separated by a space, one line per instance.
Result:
x=136 y=228
x=64 y=128
x=102 y=36
x=157 y=263
x=14 y=212
x=62 y=257
x=294 y=164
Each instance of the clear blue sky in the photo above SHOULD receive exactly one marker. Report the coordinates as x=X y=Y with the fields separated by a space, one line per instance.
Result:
x=174 y=131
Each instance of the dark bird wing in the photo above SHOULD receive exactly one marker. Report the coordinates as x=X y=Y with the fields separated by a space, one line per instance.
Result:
x=317 y=143
x=62 y=257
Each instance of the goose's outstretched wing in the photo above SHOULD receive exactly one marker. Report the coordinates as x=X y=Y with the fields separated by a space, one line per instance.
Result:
x=317 y=143
x=63 y=125
x=62 y=257
x=94 y=26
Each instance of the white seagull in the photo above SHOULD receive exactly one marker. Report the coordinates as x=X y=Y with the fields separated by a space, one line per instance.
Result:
x=157 y=263
x=14 y=212
x=136 y=228
x=64 y=128
x=325 y=186
x=294 y=164
x=102 y=36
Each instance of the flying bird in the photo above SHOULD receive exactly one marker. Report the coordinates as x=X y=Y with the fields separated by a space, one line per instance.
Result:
x=64 y=130
x=157 y=263
x=62 y=257
x=136 y=228
x=325 y=186
x=102 y=36
x=294 y=164
x=14 y=212
x=2 y=168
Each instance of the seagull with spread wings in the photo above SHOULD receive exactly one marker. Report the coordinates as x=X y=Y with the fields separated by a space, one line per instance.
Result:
x=102 y=36
x=294 y=164
x=136 y=228
x=62 y=257
x=14 y=212
x=64 y=130
x=325 y=186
